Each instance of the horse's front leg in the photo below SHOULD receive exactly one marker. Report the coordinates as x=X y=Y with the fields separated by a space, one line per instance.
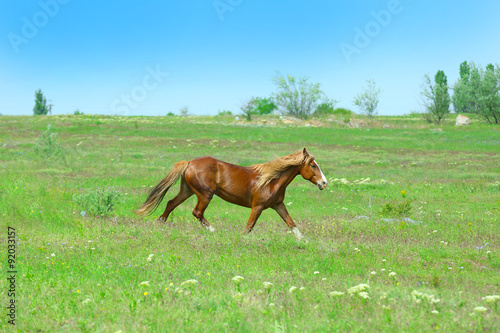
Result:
x=254 y=215
x=280 y=208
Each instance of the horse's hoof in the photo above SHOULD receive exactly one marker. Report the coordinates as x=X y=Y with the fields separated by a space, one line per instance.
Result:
x=297 y=233
x=159 y=220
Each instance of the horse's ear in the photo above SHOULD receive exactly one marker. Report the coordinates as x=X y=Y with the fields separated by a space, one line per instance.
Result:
x=306 y=153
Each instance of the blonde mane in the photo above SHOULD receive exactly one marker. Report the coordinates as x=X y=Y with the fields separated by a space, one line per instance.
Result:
x=274 y=169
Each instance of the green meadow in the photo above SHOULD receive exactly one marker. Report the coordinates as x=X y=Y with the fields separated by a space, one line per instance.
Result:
x=405 y=238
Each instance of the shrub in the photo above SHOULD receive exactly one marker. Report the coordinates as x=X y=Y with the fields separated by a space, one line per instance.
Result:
x=47 y=145
x=396 y=209
x=325 y=108
x=98 y=201
x=342 y=112
x=224 y=113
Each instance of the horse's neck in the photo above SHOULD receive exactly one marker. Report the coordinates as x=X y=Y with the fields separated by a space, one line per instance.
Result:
x=288 y=176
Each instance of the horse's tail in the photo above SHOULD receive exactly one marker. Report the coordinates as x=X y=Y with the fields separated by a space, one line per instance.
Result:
x=158 y=192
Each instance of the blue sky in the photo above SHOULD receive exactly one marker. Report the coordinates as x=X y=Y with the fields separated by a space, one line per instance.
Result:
x=154 y=57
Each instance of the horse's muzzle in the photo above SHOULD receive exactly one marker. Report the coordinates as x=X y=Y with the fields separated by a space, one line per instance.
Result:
x=322 y=185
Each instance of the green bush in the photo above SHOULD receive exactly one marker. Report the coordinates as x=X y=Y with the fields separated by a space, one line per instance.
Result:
x=396 y=209
x=264 y=106
x=47 y=145
x=224 y=113
x=324 y=109
x=342 y=112
x=98 y=201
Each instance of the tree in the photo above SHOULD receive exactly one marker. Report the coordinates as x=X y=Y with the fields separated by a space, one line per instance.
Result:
x=367 y=101
x=258 y=106
x=248 y=109
x=436 y=97
x=184 y=111
x=477 y=91
x=41 y=107
x=264 y=105
x=474 y=84
x=489 y=95
x=296 y=97
x=465 y=90
x=461 y=90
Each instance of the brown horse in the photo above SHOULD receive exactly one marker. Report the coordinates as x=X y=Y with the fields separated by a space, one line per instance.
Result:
x=258 y=187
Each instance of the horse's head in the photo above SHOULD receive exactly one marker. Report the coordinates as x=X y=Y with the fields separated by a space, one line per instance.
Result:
x=310 y=170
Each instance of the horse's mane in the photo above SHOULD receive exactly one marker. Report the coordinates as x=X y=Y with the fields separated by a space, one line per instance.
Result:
x=274 y=169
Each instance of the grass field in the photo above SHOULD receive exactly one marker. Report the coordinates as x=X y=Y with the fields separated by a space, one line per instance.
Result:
x=412 y=210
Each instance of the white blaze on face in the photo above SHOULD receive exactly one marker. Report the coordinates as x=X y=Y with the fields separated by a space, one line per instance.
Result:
x=323 y=178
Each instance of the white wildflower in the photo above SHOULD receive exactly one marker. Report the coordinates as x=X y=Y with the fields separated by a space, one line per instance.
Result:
x=373 y=273
x=434 y=300
x=144 y=284
x=392 y=274
x=88 y=300
x=336 y=293
x=358 y=288
x=267 y=285
x=292 y=289
x=491 y=299
x=191 y=282
x=364 y=294
x=150 y=257
x=480 y=309
x=237 y=279
x=435 y=311
x=316 y=272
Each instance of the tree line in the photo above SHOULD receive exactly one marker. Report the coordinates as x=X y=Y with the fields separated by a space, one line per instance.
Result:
x=476 y=91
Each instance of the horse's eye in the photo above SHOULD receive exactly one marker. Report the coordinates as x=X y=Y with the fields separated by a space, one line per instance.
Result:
x=313 y=166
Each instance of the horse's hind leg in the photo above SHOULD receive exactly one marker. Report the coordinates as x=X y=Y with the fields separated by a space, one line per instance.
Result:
x=198 y=211
x=184 y=193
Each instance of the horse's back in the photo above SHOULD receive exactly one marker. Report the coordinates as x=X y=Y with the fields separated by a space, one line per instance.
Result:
x=231 y=182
